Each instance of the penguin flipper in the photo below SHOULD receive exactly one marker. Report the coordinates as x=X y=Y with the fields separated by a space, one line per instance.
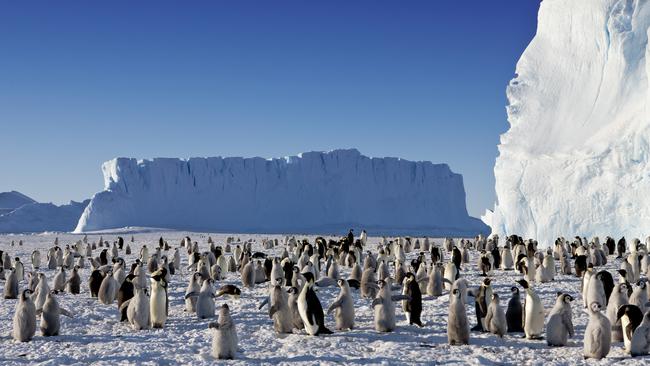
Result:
x=125 y=305
x=264 y=302
x=334 y=305
x=376 y=301
x=65 y=312
x=192 y=294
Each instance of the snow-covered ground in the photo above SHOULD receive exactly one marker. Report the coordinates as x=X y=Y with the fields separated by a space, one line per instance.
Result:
x=95 y=335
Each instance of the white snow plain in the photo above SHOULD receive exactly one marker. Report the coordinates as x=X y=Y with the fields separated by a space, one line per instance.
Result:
x=577 y=155
x=95 y=335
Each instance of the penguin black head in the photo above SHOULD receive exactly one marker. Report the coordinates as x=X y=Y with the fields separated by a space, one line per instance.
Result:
x=622 y=272
x=26 y=294
x=341 y=282
x=595 y=307
x=293 y=290
x=381 y=283
x=495 y=296
x=642 y=283
x=523 y=283
x=309 y=277
x=487 y=281
x=567 y=298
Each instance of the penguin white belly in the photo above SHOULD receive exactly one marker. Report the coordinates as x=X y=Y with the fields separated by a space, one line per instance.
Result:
x=534 y=326
x=310 y=327
x=157 y=308
x=625 y=321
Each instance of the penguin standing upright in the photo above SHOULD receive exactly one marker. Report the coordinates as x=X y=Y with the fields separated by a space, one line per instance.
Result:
x=457 y=324
x=495 y=319
x=533 y=313
x=159 y=302
x=24 y=318
x=514 y=313
x=11 y=285
x=640 y=344
x=137 y=309
x=384 y=308
x=559 y=326
x=310 y=308
x=434 y=287
x=50 y=316
x=413 y=306
x=482 y=300
x=630 y=317
x=343 y=307
x=598 y=335
x=73 y=284
x=616 y=300
x=294 y=293
x=279 y=310
x=224 y=335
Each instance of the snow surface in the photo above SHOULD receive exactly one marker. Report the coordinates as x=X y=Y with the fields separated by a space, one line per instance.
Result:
x=96 y=336
x=10 y=201
x=576 y=157
x=42 y=217
x=313 y=192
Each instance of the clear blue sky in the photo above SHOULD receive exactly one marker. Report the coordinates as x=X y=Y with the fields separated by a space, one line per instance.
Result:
x=83 y=82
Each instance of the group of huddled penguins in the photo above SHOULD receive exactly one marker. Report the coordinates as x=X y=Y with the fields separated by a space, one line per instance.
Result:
x=383 y=277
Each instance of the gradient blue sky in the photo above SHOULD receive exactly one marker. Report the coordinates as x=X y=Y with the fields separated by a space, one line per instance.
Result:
x=83 y=82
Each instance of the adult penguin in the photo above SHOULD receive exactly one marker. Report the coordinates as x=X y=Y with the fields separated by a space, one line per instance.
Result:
x=608 y=283
x=24 y=318
x=310 y=308
x=533 y=313
x=456 y=257
x=514 y=313
x=159 y=301
x=559 y=326
x=640 y=345
x=126 y=290
x=630 y=317
x=457 y=324
x=598 y=337
x=621 y=247
x=413 y=306
x=481 y=303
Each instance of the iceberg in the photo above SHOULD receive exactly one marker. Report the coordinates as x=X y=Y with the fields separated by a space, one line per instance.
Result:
x=40 y=217
x=313 y=192
x=575 y=160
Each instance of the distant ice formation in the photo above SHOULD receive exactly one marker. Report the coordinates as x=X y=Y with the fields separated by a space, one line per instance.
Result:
x=314 y=192
x=575 y=160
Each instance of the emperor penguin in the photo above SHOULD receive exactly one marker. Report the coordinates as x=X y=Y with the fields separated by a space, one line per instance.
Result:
x=137 y=309
x=36 y=260
x=533 y=313
x=193 y=287
x=124 y=293
x=294 y=293
x=495 y=319
x=413 y=306
x=434 y=287
x=457 y=324
x=248 y=275
x=20 y=269
x=507 y=263
x=108 y=289
x=343 y=307
x=11 y=285
x=205 y=300
x=514 y=313
x=224 y=335
x=559 y=326
x=482 y=300
x=617 y=299
x=596 y=290
x=59 y=280
x=369 y=286
x=50 y=316
x=73 y=284
x=384 y=308
x=310 y=308
x=41 y=292
x=451 y=274
x=640 y=344
x=279 y=310
x=24 y=318
x=598 y=336
x=639 y=295
x=159 y=302
x=629 y=317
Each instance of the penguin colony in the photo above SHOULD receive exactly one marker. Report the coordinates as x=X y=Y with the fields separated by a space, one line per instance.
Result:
x=397 y=278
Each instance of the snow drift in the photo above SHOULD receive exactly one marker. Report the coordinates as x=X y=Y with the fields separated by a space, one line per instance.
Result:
x=313 y=192
x=39 y=217
x=575 y=159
